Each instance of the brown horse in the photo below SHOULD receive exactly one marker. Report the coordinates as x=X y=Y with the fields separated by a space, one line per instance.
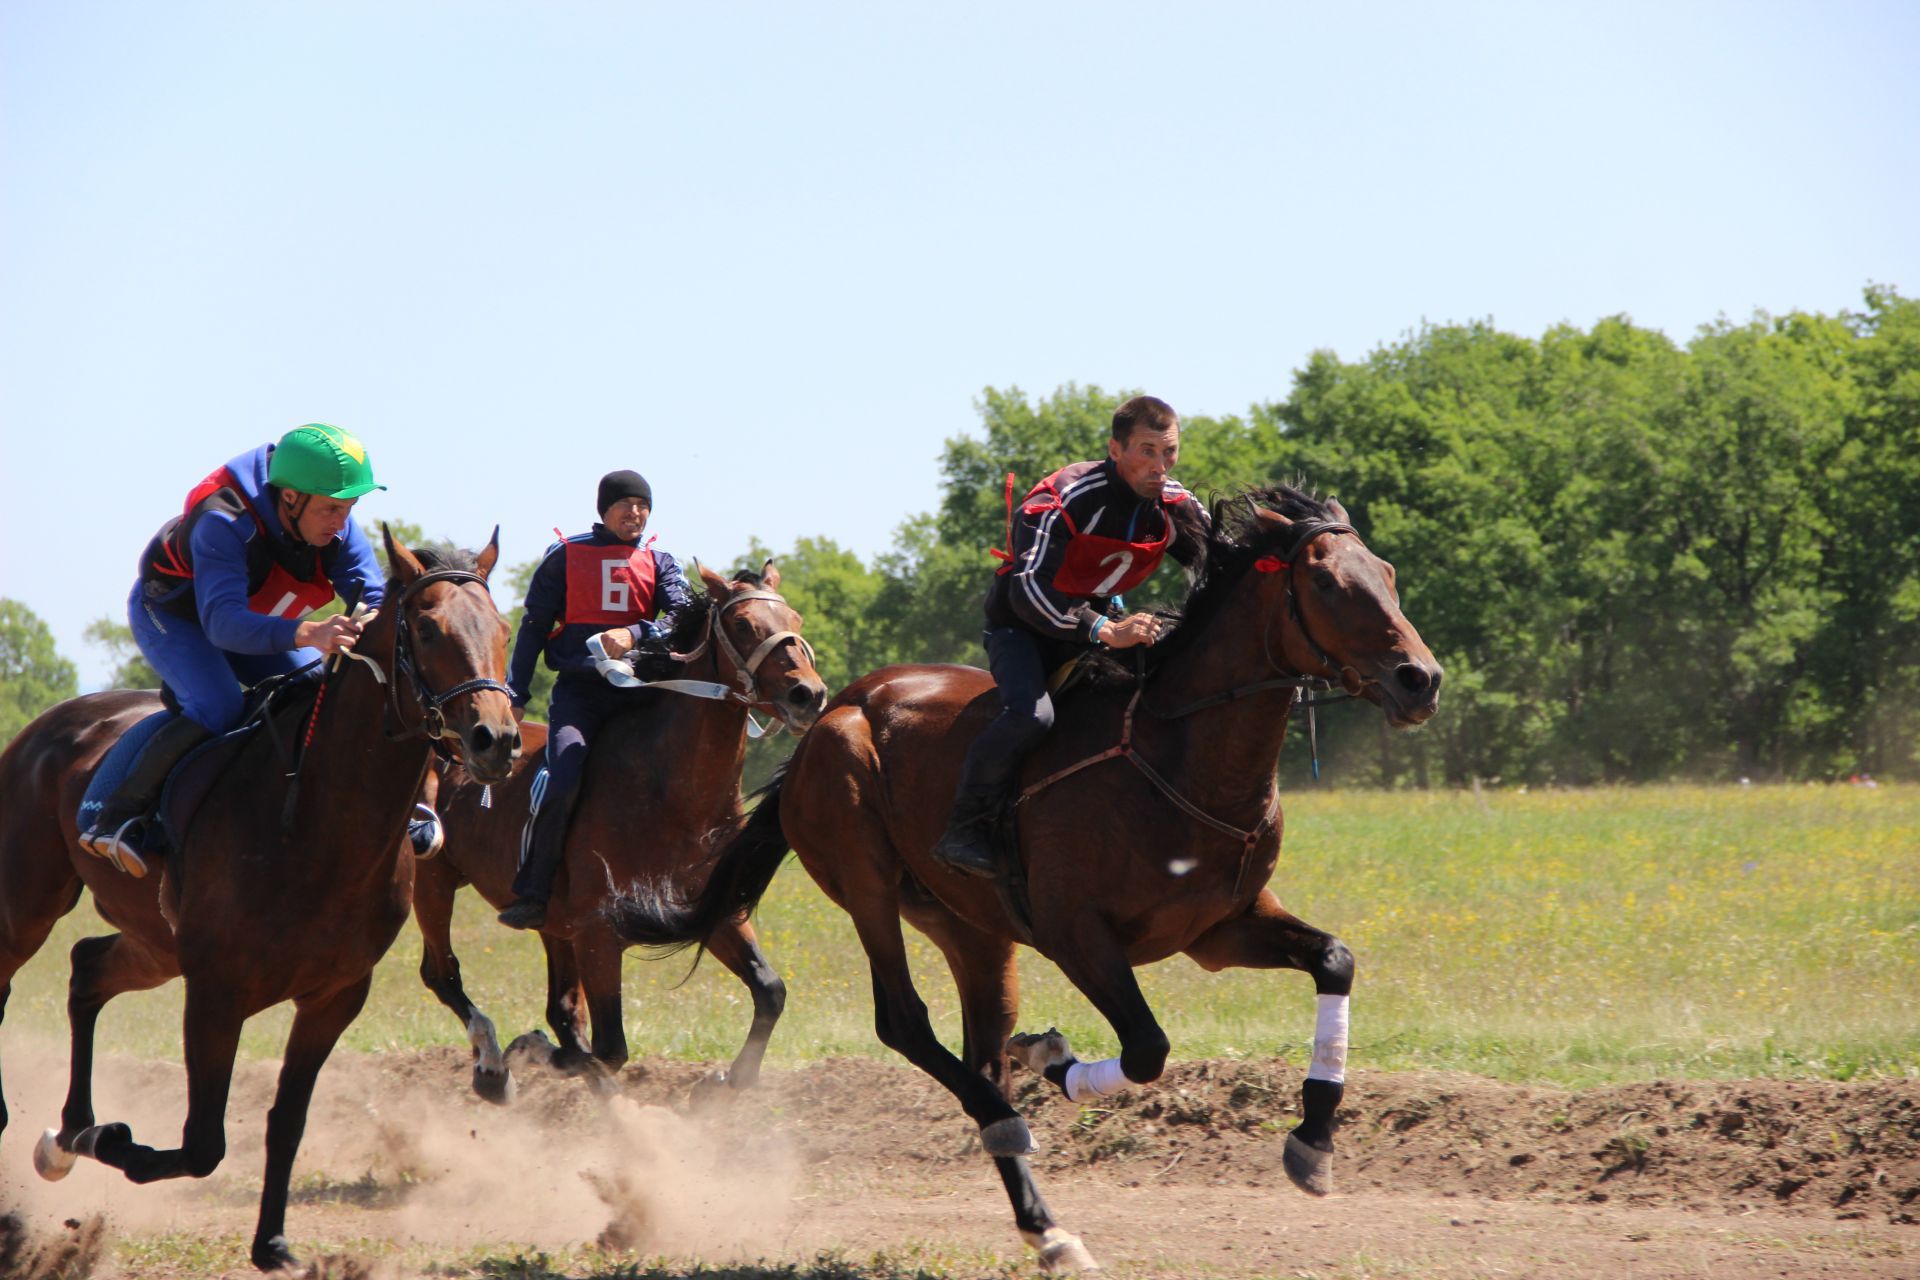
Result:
x=263 y=902
x=1121 y=866
x=663 y=777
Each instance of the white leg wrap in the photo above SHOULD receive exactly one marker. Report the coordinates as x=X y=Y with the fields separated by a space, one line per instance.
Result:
x=1330 y=1041
x=1095 y=1079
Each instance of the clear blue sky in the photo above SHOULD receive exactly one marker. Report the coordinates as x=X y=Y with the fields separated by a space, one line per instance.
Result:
x=769 y=254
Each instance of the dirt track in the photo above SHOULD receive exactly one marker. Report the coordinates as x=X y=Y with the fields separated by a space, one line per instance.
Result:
x=1443 y=1176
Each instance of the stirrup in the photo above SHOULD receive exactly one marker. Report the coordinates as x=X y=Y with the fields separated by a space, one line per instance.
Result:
x=425 y=832
x=117 y=849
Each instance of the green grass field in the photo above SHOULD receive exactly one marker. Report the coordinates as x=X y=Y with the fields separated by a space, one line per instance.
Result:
x=1568 y=937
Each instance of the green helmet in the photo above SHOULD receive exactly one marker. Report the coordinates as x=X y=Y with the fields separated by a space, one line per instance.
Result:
x=322 y=460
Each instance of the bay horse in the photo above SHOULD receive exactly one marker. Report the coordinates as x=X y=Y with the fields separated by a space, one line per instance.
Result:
x=1122 y=866
x=663 y=776
x=263 y=901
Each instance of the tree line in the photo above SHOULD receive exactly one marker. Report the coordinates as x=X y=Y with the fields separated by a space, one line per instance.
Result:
x=1637 y=559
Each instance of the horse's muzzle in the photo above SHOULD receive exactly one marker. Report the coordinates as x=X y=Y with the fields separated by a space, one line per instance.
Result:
x=1410 y=693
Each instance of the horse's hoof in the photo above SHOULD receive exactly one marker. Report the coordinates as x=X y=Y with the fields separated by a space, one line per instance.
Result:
x=1008 y=1137
x=91 y=1141
x=51 y=1160
x=1038 y=1050
x=709 y=1090
x=1311 y=1171
x=496 y=1087
x=273 y=1254
x=1060 y=1251
x=533 y=1047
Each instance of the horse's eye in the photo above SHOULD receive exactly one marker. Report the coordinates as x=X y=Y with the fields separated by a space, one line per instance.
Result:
x=429 y=631
x=1322 y=580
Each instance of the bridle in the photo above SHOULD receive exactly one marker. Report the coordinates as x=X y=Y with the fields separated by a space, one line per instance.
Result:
x=432 y=723
x=1300 y=684
x=746 y=669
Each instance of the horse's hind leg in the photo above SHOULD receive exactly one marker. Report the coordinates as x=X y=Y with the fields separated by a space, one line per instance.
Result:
x=434 y=887
x=736 y=946
x=37 y=887
x=213 y=1021
x=316 y=1028
x=102 y=968
x=1268 y=936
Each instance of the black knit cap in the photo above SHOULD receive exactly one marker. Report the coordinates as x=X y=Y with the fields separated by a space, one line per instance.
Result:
x=616 y=485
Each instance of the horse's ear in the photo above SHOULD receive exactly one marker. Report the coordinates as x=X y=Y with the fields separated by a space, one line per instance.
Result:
x=717 y=586
x=485 y=561
x=1270 y=521
x=770 y=575
x=401 y=563
x=1337 y=511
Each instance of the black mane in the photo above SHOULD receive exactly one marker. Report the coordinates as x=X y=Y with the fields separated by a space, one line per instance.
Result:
x=1237 y=538
x=432 y=558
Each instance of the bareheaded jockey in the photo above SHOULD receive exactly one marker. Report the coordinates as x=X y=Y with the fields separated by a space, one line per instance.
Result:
x=1080 y=538
x=223 y=596
x=603 y=583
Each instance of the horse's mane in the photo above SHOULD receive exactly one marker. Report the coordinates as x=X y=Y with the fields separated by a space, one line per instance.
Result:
x=435 y=558
x=692 y=622
x=1236 y=539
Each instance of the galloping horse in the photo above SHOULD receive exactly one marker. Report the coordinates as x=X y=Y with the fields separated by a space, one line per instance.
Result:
x=264 y=901
x=1121 y=866
x=663 y=776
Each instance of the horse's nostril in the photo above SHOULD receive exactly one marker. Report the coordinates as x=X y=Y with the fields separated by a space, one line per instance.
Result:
x=1413 y=677
x=482 y=738
x=516 y=742
x=800 y=696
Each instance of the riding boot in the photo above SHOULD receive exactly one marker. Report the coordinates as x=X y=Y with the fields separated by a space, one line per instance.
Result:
x=967 y=846
x=534 y=885
x=111 y=835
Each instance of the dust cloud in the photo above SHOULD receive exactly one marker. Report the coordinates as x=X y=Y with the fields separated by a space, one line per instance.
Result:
x=404 y=1136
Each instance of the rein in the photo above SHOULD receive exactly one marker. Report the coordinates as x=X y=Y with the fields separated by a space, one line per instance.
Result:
x=432 y=724
x=1298 y=684
x=745 y=669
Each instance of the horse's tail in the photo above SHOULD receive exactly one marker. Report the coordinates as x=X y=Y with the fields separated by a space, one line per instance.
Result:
x=741 y=874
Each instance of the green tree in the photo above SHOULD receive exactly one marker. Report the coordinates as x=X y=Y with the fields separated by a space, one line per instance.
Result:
x=131 y=670
x=33 y=675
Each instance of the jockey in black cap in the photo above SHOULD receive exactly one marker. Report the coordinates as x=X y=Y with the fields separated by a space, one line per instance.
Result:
x=604 y=583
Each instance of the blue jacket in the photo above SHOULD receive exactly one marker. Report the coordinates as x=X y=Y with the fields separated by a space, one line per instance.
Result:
x=543 y=630
x=208 y=563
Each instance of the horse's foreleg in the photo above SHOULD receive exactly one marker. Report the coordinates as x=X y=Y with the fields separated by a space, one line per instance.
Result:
x=597 y=954
x=102 y=968
x=316 y=1028
x=434 y=886
x=1093 y=960
x=736 y=946
x=988 y=978
x=566 y=1001
x=1268 y=936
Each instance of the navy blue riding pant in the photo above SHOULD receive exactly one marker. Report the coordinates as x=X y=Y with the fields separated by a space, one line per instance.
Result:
x=1020 y=661
x=204 y=680
x=577 y=710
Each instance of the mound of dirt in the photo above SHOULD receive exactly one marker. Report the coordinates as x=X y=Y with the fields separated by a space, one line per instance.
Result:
x=72 y=1254
x=1832 y=1150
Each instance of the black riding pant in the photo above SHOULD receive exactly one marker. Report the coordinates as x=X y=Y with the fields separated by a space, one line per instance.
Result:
x=579 y=707
x=1020 y=661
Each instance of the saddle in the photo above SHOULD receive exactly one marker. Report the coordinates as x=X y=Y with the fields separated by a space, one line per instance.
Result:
x=280 y=705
